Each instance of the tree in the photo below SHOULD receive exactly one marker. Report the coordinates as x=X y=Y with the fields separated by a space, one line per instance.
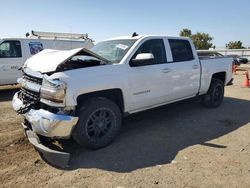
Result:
x=235 y=45
x=185 y=33
x=202 y=41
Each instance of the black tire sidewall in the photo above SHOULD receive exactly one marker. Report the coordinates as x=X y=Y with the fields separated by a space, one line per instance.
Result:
x=208 y=98
x=80 y=134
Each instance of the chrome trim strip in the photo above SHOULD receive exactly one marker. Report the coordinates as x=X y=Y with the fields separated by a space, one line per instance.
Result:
x=51 y=125
x=33 y=73
x=29 y=85
x=51 y=103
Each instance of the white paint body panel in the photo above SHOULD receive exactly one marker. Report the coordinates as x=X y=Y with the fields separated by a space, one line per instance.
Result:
x=142 y=87
x=211 y=66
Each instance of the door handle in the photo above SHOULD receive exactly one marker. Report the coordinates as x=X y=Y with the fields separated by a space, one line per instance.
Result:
x=195 y=66
x=166 y=70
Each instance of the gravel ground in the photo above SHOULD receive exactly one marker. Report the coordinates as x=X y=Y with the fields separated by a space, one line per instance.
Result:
x=178 y=145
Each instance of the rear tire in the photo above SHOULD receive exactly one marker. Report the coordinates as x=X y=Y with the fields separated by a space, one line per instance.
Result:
x=99 y=122
x=214 y=97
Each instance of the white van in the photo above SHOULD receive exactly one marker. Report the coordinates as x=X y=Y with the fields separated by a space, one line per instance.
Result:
x=15 y=51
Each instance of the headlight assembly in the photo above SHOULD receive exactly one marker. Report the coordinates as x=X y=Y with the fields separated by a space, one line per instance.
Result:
x=53 y=91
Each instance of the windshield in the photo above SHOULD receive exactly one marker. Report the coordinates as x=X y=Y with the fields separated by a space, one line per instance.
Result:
x=113 y=50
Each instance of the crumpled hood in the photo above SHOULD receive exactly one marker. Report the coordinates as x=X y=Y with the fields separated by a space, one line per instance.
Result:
x=48 y=60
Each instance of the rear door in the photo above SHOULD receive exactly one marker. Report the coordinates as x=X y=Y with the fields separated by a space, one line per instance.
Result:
x=185 y=69
x=11 y=60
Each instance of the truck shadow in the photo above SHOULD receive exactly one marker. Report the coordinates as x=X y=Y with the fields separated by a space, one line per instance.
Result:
x=156 y=136
x=7 y=94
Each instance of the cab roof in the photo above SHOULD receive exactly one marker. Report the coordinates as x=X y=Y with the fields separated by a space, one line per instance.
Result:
x=145 y=36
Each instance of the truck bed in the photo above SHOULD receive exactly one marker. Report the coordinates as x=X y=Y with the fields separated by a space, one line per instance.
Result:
x=209 y=64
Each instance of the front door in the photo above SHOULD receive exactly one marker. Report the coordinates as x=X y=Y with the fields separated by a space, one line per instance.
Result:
x=147 y=81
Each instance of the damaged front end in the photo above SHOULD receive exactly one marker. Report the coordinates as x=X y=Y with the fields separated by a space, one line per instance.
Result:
x=42 y=120
x=41 y=100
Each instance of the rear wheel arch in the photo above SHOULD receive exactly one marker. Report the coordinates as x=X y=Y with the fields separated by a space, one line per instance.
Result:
x=219 y=76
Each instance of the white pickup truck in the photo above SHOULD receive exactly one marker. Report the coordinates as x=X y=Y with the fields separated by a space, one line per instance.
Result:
x=84 y=94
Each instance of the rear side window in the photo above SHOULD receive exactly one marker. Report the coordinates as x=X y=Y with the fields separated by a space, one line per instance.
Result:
x=156 y=47
x=181 y=50
x=10 y=49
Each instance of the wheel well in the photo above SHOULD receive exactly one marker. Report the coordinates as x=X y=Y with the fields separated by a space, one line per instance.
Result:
x=220 y=76
x=114 y=95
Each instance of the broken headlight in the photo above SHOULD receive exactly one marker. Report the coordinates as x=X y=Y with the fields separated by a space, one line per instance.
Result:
x=53 y=92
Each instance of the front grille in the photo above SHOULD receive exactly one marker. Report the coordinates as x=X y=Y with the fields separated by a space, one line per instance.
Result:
x=28 y=96
x=30 y=90
x=32 y=79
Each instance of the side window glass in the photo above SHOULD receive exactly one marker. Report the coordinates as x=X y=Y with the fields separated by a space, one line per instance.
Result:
x=156 y=47
x=10 y=49
x=181 y=50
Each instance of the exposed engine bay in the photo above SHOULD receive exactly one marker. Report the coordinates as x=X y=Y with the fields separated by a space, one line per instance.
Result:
x=78 y=62
x=82 y=59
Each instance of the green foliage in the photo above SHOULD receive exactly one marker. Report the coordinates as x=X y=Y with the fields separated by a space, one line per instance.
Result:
x=202 y=41
x=235 y=45
x=185 y=33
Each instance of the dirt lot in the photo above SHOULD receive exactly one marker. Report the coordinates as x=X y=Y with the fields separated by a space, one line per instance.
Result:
x=178 y=145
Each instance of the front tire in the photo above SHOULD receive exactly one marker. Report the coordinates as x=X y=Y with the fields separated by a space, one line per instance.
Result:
x=99 y=122
x=214 y=97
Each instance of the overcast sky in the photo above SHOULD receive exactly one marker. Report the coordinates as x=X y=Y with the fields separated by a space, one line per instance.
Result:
x=224 y=20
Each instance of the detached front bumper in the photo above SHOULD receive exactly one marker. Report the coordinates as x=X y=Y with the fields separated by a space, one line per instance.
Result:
x=53 y=157
x=45 y=123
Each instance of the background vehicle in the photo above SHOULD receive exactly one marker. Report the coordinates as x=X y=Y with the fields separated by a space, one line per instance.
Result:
x=15 y=51
x=211 y=54
x=208 y=53
x=84 y=93
x=239 y=59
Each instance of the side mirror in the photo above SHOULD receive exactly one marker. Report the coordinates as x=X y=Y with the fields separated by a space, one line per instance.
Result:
x=143 y=59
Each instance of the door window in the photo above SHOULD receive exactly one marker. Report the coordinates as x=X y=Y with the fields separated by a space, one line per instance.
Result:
x=156 y=47
x=10 y=49
x=181 y=50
